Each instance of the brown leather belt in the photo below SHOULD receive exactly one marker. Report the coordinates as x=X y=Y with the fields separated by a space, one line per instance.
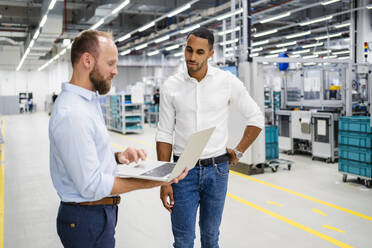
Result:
x=115 y=200
x=208 y=161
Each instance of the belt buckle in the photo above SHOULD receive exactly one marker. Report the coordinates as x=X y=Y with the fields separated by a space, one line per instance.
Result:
x=199 y=162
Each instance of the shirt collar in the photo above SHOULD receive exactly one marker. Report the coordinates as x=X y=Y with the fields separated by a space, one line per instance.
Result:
x=87 y=94
x=188 y=78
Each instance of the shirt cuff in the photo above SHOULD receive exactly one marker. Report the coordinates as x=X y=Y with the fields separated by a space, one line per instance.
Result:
x=164 y=137
x=107 y=185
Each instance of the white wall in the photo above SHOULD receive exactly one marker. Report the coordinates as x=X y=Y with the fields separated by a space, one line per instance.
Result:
x=41 y=84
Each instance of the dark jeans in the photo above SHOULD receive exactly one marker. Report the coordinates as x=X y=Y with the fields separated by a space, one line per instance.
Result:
x=87 y=226
x=204 y=186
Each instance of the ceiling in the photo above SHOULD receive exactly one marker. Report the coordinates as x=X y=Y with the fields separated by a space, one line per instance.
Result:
x=20 y=20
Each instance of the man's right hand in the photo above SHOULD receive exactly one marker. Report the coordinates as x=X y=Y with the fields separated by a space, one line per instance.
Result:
x=165 y=192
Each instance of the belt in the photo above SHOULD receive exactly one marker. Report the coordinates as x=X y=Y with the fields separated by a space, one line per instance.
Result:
x=115 y=200
x=208 y=161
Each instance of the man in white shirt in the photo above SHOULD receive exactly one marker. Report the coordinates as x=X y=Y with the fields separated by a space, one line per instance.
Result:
x=192 y=100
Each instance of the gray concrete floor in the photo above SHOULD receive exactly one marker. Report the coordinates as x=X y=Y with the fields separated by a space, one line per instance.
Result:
x=282 y=209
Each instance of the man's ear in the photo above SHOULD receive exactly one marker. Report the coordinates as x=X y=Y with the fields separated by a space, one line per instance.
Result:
x=87 y=60
x=211 y=52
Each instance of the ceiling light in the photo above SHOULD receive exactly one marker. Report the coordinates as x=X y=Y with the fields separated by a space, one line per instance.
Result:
x=186 y=30
x=153 y=53
x=125 y=52
x=278 y=50
x=330 y=57
x=369 y=7
x=147 y=26
x=341 y=52
x=178 y=54
x=45 y=17
x=63 y=51
x=257 y=49
x=298 y=35
x=36 y=34
x=316 y=20
x=31 y=44
x=329 y=2
x=162 y=39
x=265 y=33
x=253 y=54
x=141 y=46
x=310 y=56
x=295 y=56
x=313 y=45
x=287 y=44
x=229 y=49
x=51 y=5
x=229 y=31
x=328 y=36
x=347 y=57
x=302 y=51
x=310 y=63
x=276 y=17
x=127 y=36
x=229 y=42
x=122 y=5
x=260 y=43
x=342 y=25
x=322 y=52
x=179 y=10
x=227 y=15
x=99 y=23
x=271 y=56
x=170 y=48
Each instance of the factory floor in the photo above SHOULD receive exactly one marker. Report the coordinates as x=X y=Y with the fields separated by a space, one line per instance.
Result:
x=308 y=206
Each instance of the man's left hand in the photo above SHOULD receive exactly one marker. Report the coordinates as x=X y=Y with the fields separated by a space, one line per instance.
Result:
x=233 y=160
x=131 y=155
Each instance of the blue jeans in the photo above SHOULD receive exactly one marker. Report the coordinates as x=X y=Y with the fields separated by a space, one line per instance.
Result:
x=87 y=226
x=205 y=186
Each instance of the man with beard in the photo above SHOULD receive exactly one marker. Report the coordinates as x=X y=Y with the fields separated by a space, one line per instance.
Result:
x=196 y=98
x=82 y=163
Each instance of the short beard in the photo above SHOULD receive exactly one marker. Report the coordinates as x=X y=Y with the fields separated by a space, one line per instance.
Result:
x=100 y=84
x=197 y=68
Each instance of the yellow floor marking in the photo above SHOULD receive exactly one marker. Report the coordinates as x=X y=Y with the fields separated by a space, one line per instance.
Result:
x=138 y=141
x=304 y=196
x=274 y=203
x=333 y=228
x=2 y=153
x=121 y=148
x=319 y=212
x=291 y=222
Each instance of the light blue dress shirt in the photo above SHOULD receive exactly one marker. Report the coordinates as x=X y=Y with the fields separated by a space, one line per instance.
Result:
x=82 y=163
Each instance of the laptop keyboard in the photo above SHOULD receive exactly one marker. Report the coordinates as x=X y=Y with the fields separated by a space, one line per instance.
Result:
x=160 y=171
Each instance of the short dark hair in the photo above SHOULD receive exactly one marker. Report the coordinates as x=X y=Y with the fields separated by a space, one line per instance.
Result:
x=205 y=34
x=87 y=41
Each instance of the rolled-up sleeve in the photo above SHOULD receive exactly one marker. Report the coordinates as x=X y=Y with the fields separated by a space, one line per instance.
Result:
x=167 y=115
x=73 y=138
x=247 y=107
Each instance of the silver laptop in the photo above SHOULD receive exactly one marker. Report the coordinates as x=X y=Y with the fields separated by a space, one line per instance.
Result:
x=167 y=171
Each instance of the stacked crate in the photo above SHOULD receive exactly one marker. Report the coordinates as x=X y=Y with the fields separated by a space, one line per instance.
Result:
x=355 y=146
x=271 y=141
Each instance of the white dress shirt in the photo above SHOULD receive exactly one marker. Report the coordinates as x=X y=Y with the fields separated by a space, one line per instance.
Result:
x=188 y=106
x=82 y=163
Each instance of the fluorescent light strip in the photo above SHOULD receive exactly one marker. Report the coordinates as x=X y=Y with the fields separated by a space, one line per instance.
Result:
x=229 y=49
x=229 y=42
x=121 y=6
x=310 y=63
x=265 y=33
x=186 y=30
x=287 y=44
x=99 y=23
x=278 y=50
x=260 y=43
x=229 y=31
x=342 y=25
x=295 y=56
x=31 y=44
x=253 y=54
x=139 y=47
x=369 y=7
x=341 y=52
x=51 y=5
x=125 y=52
x=124 y=37
x=162 y=39
x=170 y=48
x=322 y=52
x=310 y=56
x=178 y=54
x=316 y=20
x=301 y=52
x=347 y=57
x=272 y=56
x=330 y=57
x=179 y=10
x=328 y=36
x=313 y=45
x=227 y=15
x=329 y=2
x=45 y=17
x=257 y=49
x=36 y=34
x=276 y=17
x=147 y=26
x=153 y=53
x=298 y=35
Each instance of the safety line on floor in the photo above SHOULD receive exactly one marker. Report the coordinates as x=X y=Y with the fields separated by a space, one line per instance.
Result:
x=138 y=141
x=319 y=212
x=274 y=203
x=291 y=222
x=304 y=196
x=333 y=228
x=121 y=148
